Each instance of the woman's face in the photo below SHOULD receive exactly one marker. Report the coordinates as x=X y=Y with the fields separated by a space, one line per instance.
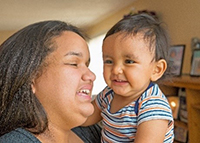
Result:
x=64 y=89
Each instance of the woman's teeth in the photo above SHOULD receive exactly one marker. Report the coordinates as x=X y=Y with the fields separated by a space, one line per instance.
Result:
x=86 y=91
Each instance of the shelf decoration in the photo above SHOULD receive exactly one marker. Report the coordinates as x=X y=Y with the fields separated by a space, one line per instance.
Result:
x=195 y=69
x=183 y=114
x=181 y=134
x=174 y=104
x=195 y=44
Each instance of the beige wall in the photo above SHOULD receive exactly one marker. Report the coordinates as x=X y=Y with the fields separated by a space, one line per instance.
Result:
x=181 y=16
x=4 y=35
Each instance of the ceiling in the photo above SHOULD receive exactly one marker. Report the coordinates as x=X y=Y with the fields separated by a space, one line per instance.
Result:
x=16 y=14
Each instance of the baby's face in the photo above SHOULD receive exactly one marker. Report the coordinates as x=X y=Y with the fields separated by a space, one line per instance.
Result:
x=128 y=64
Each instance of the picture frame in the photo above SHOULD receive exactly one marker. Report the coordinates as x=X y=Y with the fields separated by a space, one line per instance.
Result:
x=195 y=68
x=176 y=56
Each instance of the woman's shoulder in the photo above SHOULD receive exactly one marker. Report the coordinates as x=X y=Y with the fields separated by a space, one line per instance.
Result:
x=18 y=136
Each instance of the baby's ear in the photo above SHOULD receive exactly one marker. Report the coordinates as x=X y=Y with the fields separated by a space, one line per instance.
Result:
x=159 y=69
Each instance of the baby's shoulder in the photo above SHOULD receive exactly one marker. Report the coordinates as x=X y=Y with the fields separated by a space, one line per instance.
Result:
x=107 y=91
x=154 y=92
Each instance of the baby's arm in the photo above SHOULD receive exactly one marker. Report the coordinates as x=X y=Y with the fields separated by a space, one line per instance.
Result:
x=152 y=131
x=95 y=117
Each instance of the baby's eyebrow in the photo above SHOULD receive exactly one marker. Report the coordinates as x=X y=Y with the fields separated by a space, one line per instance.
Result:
x=106 y=56
x=131 y=56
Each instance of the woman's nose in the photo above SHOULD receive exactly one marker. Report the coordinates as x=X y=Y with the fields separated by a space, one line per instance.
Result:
x=89 y=75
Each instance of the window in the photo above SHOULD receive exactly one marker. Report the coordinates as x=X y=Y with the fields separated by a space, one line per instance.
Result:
x=96 y=63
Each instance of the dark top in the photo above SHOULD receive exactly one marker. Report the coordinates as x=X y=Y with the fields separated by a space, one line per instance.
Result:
x=91 y=134
x=19 y=136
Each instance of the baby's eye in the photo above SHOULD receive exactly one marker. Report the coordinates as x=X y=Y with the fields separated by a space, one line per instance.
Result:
x=108 y=62
x=129 y=61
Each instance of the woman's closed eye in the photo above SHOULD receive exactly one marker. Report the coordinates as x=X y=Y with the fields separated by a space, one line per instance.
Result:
x=72 y=64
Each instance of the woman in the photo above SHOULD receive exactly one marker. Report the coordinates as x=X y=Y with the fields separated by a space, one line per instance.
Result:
x=45 y=84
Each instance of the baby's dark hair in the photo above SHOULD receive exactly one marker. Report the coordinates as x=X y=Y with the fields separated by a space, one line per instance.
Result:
x=152 y=29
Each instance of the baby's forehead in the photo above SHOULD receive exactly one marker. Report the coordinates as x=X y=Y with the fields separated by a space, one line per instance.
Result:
x=128 y=42
x=140 y=36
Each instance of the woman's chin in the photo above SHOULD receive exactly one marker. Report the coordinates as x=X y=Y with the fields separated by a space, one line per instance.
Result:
x=87 y=110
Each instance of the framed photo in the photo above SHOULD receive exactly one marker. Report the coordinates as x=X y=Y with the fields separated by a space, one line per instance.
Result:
x=176 y=55
x=195 y=69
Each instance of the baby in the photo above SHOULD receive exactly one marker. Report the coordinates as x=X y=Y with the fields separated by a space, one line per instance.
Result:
x=133 y=108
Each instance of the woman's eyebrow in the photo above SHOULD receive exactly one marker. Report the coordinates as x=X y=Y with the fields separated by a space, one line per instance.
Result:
x=79 y=54
x=74 y=54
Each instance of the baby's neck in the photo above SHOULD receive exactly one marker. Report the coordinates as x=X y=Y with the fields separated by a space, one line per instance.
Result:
x=119 y=102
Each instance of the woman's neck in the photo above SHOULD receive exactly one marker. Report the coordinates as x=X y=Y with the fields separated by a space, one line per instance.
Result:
x=50 y=136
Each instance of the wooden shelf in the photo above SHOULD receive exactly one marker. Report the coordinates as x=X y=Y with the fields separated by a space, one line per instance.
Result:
x=196 y=106
x=183 y=81
x=170 y=86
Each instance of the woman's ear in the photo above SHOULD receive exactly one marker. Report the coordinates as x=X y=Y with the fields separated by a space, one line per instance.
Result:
x=33 y=86
x=159 y=69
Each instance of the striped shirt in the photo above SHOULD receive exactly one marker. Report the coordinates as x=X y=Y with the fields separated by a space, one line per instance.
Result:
x=121 y=127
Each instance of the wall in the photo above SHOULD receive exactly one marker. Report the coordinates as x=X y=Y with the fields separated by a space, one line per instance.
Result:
x=181 y=16
x=4 y=35
x=182 y=19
